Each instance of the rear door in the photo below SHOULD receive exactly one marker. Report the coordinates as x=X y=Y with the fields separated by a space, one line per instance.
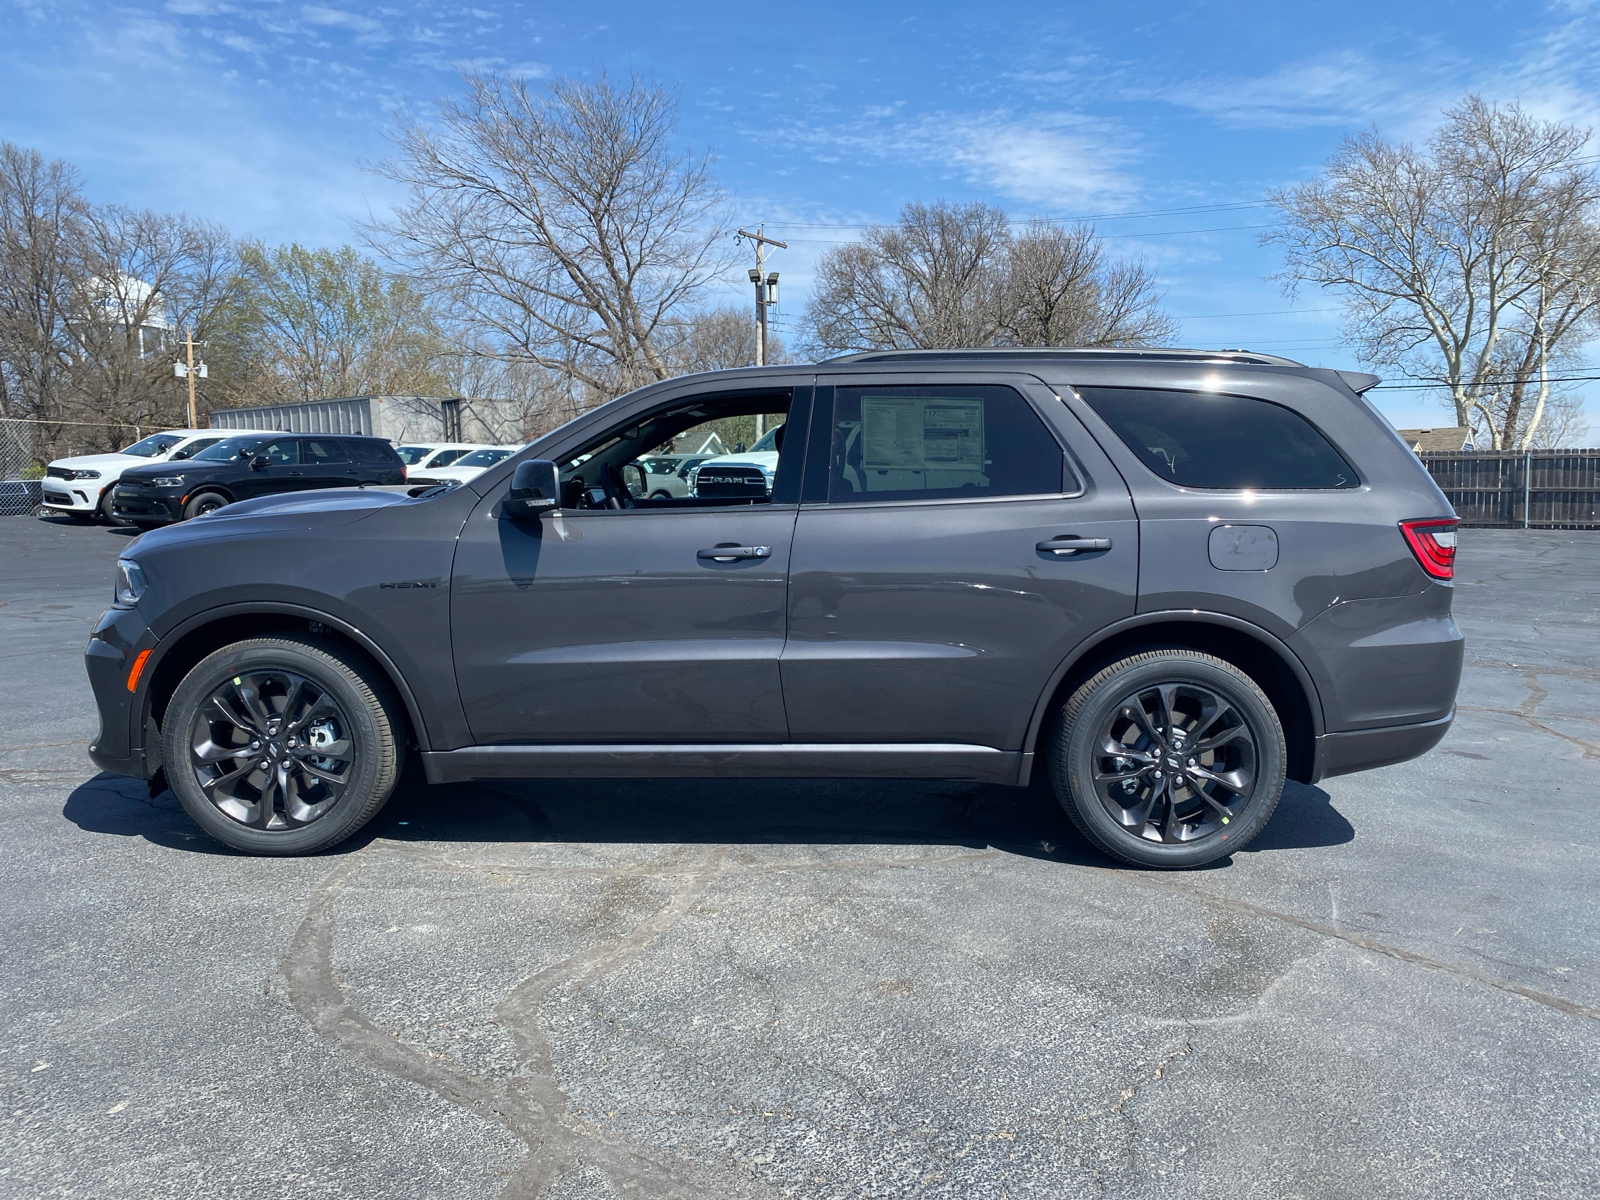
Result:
x=921 y=604
x=325 y=464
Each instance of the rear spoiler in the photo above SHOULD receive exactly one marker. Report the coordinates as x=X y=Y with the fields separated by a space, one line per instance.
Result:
x=1359 y=381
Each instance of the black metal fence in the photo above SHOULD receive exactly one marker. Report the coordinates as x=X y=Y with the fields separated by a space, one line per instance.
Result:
x=1520 y=489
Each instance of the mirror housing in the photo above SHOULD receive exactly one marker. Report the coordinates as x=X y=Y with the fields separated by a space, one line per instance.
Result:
x=179 y=455
x=260 y=462
x=534 y=490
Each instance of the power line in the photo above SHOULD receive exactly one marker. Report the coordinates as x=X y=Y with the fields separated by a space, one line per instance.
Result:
x=1416 y=387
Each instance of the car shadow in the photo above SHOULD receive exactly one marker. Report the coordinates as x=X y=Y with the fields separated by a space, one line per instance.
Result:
x=1022 y=821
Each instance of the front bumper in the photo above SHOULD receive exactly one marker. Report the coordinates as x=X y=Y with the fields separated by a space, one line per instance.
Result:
x=124 y=745
x=145 y=506
x=69 y=495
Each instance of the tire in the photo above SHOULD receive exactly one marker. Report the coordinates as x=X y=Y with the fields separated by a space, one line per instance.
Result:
x=203 y=503
x=661 y=494
x=1159 y=803
x=102 y=511
x=240 y=697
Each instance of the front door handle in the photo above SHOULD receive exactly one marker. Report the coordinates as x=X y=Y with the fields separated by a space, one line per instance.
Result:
x=1070 y=544
x=733 y=553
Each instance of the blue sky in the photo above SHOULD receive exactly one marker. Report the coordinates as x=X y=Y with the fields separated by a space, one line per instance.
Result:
x=823 y=116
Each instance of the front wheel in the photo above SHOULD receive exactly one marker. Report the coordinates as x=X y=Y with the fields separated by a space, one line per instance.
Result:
x=200 y=505
x=1169 y=758
x=281 y=745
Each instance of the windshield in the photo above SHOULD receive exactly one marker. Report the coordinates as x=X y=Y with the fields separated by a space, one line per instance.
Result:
x=483 y=458
x=412 y=455
x=155 y=444
x=229 y=448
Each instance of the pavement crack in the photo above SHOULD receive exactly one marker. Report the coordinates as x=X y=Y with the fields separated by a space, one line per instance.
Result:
x=531 y=1106
x=1459 y=970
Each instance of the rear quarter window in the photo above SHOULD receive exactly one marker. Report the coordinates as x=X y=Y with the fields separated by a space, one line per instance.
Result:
x=1210 y=440
x=377 y=454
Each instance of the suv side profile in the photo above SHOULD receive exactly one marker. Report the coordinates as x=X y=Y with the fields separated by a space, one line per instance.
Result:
x=249 y=465
x=1169 y=579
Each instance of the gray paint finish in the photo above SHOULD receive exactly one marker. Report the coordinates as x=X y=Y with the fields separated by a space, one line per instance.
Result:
x=912 y=622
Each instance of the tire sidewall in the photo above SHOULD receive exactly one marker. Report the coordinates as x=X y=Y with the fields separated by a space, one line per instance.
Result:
x=366 y=734
x=1076 y=746
x=194 y=508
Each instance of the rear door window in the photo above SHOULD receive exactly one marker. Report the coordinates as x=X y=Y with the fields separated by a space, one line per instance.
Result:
x=373 y=453
x=1208 y=440
x=940 y=442
x=318 y=452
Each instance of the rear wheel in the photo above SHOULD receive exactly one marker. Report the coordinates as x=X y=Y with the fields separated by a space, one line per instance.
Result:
x=281 y=745
x=205 y=502
x=1169 y=758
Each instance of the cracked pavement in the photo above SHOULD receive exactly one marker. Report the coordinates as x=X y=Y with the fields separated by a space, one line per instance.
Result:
x=578 y=990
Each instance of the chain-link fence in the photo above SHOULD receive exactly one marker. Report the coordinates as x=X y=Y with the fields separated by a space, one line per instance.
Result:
x=27 y=447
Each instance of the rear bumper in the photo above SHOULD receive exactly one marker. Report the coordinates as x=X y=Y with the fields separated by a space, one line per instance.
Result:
x=1364 y=749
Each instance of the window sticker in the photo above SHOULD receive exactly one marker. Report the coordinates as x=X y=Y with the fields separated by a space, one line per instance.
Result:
x=907 y=433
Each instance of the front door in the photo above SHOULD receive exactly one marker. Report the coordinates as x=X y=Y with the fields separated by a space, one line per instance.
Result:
x=925 y=603
x=615 y=619
x=280 y=473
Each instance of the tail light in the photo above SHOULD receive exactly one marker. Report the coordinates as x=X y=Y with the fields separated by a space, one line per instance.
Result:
x=1433 y=541
x=404 y=475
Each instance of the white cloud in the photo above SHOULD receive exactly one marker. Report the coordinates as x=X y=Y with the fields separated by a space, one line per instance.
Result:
x=1051 y=159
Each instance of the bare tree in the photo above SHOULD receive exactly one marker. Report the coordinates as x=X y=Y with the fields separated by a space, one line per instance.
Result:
x=561 y=224
x=956 y=275
x=718 y=339
x=929 y=281
x=42 y=218
x=1062 y=291
x=333 y=323
x=1471 y=264
x=141 y=279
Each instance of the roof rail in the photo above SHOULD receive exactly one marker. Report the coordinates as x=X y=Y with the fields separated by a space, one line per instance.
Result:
x=1073 y=353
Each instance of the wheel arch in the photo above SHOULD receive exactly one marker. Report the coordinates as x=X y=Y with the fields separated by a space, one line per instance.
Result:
x=199 y=635
x=1276 y=669
x=203 y=488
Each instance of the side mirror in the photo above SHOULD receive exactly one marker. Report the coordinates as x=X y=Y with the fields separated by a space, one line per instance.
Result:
x=178 y=455
x=534 y=490
x=260 y=462
x=635 y=479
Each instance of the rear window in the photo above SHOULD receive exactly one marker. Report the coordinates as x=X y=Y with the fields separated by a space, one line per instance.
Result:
x=372 y=452
x=1206 y=440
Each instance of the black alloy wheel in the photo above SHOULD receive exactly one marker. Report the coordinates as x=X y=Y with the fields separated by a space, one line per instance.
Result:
x=1169 y=758
x=202 y=504
x=269 y=749
x=281 y=745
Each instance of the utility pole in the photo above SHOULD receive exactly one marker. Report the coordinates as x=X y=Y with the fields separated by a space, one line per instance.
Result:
x=766 y=286
x=188 y=371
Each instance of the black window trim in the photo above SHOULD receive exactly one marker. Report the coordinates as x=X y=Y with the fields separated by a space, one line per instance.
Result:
x=802 y=396
x=819 y=446
x=1113 y=444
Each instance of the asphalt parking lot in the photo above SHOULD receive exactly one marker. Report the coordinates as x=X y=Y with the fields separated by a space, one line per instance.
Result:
x=812 y=989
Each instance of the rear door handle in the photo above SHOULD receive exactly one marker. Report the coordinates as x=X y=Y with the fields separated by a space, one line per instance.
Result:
x=1067 y=544
x=732 y=553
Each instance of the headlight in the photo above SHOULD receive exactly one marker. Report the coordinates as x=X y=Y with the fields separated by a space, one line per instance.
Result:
x=86 y=474
x=167 y=481
x=130 y=583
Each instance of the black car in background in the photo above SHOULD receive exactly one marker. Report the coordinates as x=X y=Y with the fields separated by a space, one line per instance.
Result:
x=251 y=465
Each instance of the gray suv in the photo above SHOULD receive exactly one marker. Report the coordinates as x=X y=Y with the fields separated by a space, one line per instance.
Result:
x=1168 y=579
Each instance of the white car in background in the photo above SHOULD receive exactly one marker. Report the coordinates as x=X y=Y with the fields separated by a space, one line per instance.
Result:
x=468 y=466
x=746 y=475
x=429 y=456
x=80 y=486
